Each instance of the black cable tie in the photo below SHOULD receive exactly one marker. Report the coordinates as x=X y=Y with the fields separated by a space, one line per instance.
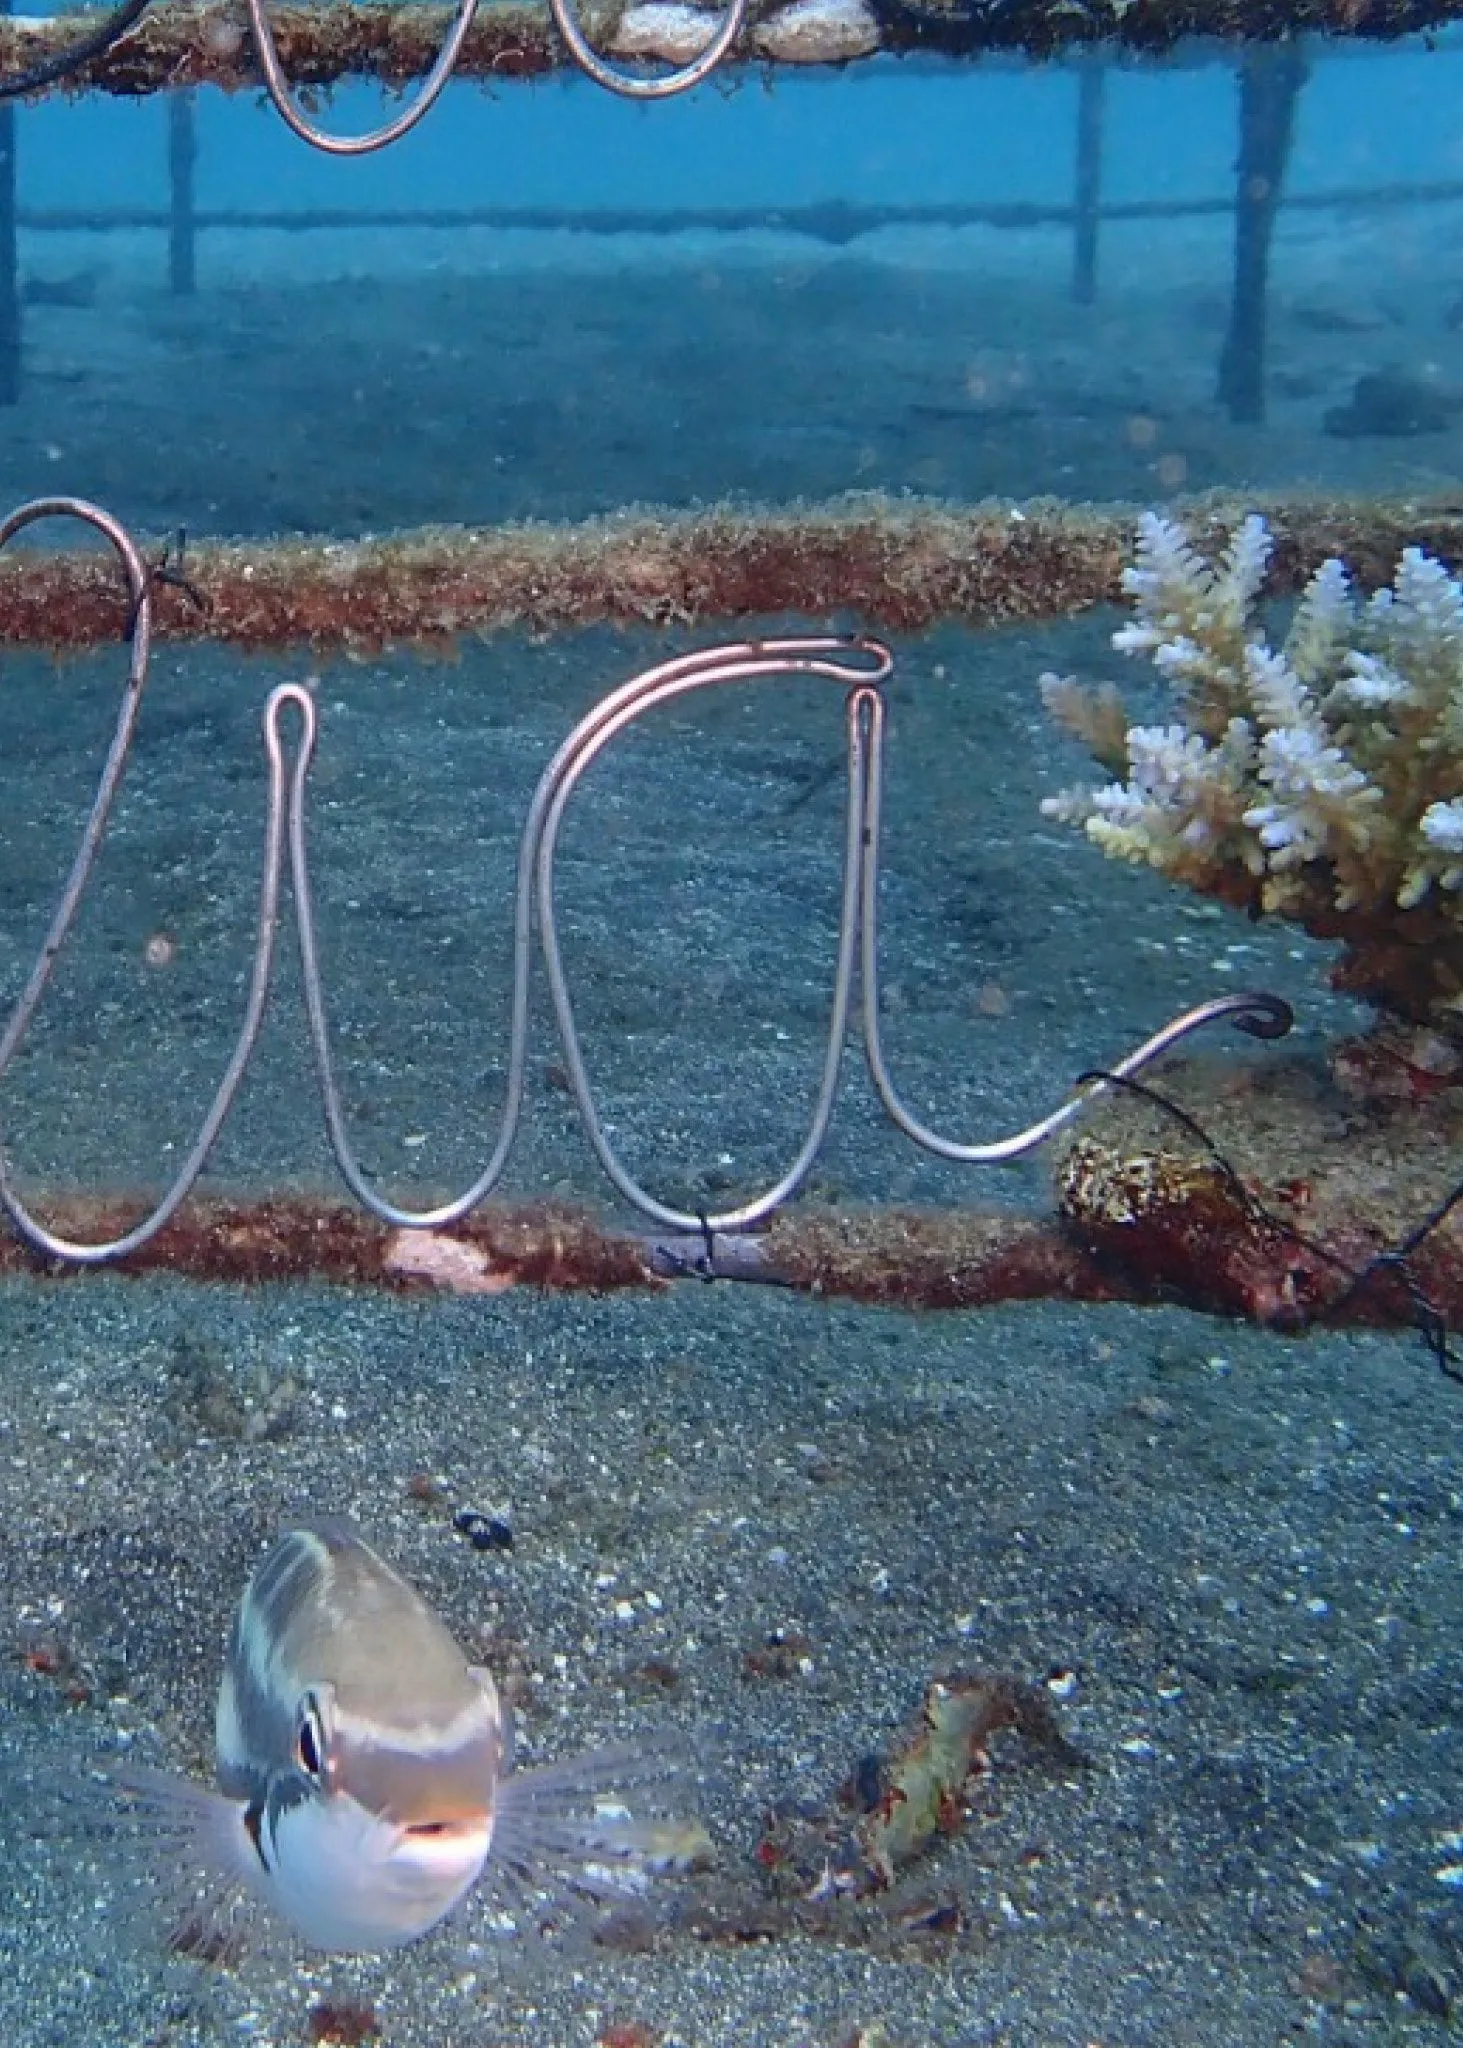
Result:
x=706 y=1264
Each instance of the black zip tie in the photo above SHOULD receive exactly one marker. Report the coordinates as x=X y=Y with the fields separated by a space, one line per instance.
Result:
x=162 y=571
x=1431 y=1323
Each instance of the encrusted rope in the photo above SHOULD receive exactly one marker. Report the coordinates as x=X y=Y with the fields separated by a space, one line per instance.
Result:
x=890 y=563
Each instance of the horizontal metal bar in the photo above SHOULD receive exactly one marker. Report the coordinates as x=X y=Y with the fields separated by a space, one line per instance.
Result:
x=894 y=563
x=925 y=1259
x=835 y=222
x=180 y=45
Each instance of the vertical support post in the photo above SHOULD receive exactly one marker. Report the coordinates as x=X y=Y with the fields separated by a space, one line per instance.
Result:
x=182 y=225
x=1270 y=79
x=9 y=255
x=1087 y=198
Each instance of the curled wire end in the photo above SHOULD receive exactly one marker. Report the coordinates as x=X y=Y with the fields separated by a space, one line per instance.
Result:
x=1261 y=1015
x=860 y=659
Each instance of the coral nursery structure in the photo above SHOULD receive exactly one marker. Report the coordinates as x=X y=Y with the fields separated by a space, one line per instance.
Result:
x=1320 y=781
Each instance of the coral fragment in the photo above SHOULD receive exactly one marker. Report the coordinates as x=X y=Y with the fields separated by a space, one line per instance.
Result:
x=1320 y=781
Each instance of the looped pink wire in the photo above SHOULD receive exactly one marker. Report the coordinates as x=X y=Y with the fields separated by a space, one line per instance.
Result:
x=858 y=665
x=294 y=117
x=628 y=85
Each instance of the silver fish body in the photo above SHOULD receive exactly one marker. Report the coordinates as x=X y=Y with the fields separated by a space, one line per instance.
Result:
x=364 y=1765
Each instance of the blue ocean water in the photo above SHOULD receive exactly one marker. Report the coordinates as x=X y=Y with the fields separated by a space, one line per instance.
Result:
x=891 y=132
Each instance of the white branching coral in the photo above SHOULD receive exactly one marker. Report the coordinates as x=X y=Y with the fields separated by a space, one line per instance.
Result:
x=1320 y=780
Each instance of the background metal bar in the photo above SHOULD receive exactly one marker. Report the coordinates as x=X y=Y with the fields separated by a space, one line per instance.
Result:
x=182 y=215
x=834 y=222
x=1087 y=196
x=9 y=278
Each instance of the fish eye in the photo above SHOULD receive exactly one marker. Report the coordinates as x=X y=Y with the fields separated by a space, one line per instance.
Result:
x=310 y=1740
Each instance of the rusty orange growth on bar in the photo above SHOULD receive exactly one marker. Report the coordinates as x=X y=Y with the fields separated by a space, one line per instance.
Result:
x=1130 y=1230
x=953 y=1259
x=292 y=1239
x=889 y=562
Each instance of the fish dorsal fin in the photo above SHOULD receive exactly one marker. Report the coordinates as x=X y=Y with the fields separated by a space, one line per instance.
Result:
x=333 y=1530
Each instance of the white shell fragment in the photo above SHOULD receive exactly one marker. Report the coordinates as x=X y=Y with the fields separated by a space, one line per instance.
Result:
x=819 y=32
x=807 y=32
x=660 y=28
x=447 y=1262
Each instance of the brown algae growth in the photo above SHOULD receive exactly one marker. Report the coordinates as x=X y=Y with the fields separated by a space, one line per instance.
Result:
x=893 y=563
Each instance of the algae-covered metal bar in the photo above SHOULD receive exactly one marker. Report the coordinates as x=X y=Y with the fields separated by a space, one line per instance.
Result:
x=177 y=45
x=1197 y=1250
x=952 y=1259
x=890 y=562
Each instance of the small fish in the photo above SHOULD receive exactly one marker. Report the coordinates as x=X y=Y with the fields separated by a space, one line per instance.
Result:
x=364 y=1766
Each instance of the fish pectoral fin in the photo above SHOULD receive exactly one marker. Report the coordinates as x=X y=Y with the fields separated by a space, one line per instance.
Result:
x=612 y=1806
x=200 y=1824
x=176 y=1853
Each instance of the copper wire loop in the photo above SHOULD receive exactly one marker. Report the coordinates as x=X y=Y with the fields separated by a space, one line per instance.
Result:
x=857 y=665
